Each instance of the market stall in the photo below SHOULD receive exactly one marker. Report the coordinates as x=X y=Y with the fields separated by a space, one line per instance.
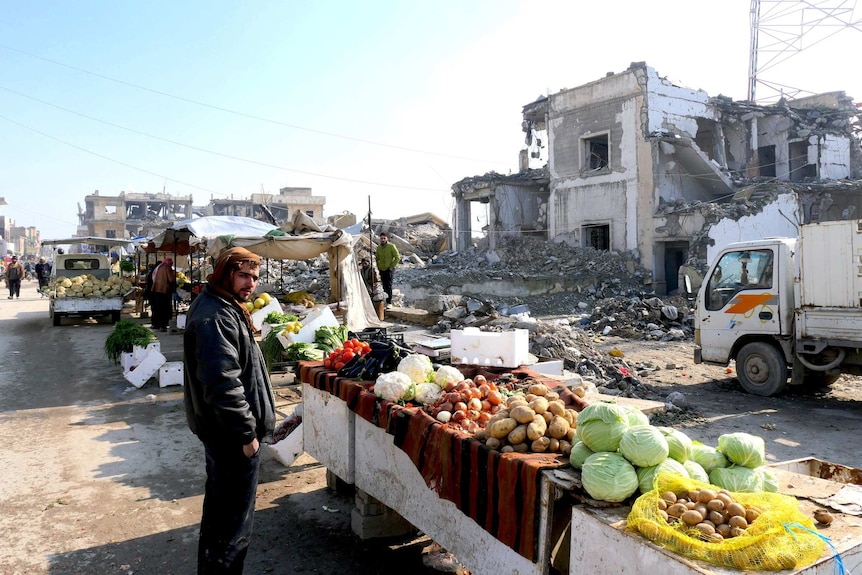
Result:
x=302 y=239
x=512 y=513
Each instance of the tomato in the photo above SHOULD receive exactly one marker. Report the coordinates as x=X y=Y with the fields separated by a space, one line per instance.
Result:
x=338 y=365
x=366 y=347
x=347 y=355
x=327 y=363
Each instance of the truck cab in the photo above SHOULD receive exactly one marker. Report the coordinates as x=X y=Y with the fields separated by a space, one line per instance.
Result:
x=71 y=265
x=745 y=311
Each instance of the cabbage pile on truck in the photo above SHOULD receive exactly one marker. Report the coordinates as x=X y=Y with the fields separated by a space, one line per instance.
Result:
x=87 y=285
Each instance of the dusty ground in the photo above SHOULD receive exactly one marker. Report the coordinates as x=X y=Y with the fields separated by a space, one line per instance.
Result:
x=97 y=477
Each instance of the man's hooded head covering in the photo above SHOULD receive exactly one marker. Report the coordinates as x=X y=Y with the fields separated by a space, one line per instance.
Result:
x=220 y=280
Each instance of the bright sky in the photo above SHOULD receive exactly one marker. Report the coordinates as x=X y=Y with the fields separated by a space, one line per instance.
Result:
x=385 y=99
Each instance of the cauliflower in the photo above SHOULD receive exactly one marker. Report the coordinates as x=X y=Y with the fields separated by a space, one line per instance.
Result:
x=394 y=386
x=428 y=393
x=417 y=366
x=447 y=373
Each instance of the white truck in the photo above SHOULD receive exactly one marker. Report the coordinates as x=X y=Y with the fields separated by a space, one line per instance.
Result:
x=78 y=299
x=785 y=307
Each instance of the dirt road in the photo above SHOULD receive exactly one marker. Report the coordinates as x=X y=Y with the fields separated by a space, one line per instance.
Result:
x=98 y=477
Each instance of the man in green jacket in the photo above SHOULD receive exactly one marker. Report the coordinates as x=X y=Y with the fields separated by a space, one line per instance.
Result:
x=387 y=258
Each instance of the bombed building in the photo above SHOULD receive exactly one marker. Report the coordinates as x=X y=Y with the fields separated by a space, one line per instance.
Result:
x=635 y=164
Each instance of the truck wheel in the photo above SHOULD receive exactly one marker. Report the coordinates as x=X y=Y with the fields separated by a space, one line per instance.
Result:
x=56 y=318
x=761 y=369
x=115 y=316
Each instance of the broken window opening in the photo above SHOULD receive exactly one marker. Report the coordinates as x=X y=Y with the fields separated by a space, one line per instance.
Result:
x=110 y=209
x=111 y=234
x=597 y=237
x=597 y=153
x=800 y=169
x=766 y=161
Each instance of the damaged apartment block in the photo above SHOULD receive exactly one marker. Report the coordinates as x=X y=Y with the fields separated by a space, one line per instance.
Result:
x=666 y=174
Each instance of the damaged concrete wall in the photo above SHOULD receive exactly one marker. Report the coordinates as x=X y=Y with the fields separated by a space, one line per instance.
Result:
x=777 y=219
x=517 y=209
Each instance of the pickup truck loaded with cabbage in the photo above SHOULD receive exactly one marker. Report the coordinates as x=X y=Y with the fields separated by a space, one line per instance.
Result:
x=82 y=285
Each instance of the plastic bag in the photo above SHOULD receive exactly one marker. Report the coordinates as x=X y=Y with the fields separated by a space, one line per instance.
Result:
x=782 y=537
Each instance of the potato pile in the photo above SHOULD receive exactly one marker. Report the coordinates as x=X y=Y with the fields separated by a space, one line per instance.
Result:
x=87 y=285
x=537 y=422
x=714 y=514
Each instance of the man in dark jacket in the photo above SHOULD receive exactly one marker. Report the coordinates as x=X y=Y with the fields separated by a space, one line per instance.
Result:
x=229 y=406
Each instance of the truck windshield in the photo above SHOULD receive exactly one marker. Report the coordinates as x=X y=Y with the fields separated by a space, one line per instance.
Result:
x=81 y=264
x=736 y=271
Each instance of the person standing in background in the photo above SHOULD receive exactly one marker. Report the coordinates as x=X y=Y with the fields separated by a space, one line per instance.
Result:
x=161 y=296
x=14 y=275
x=43 y=273
x=229 y=405
x=388 y=258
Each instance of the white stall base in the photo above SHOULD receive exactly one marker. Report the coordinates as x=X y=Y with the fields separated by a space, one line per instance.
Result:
x=328 y=431
x=386 y=473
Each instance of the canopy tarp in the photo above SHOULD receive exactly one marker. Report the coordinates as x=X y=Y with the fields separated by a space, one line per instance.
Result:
x=304 y=240
x=125 y=243
x=190 y=235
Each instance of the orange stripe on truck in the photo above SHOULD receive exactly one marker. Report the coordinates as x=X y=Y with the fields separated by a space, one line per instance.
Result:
x=745 y=302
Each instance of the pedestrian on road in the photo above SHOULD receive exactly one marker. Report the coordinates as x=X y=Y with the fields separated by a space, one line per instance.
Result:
x=43 y=273
x=162 y=293
x=387 y=259
x=14 y=275
x=230 y=407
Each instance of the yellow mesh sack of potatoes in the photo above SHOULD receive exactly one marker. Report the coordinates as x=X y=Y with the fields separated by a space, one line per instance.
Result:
x=757 y=531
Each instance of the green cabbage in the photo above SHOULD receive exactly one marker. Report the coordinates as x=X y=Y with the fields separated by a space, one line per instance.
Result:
x=647 y=475
x=737 y=478
x=695 y=471
x=707 y=456
x=743 y=449
x=770 y=481
x=678 y=443
x=609 y=477
x=644 y=445
x=579 y=454
x=602 y=425
x=635 y=416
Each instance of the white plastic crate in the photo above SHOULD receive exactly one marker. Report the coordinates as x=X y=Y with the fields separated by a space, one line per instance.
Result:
x=288 y=449
x=141 y=353
x=128 y=361
x=259 y=315
x=146 y=369
x=171 y=373
x=471 y=346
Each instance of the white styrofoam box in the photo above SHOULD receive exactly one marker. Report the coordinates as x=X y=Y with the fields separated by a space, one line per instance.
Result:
x=142 y=352
x=260 y=314
x=265 y=328
x=146 y=369
x=493 y=349
x=181 y=321
x=318 y=317
x=128 y=360
x=288 y=449
x=171 y=373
